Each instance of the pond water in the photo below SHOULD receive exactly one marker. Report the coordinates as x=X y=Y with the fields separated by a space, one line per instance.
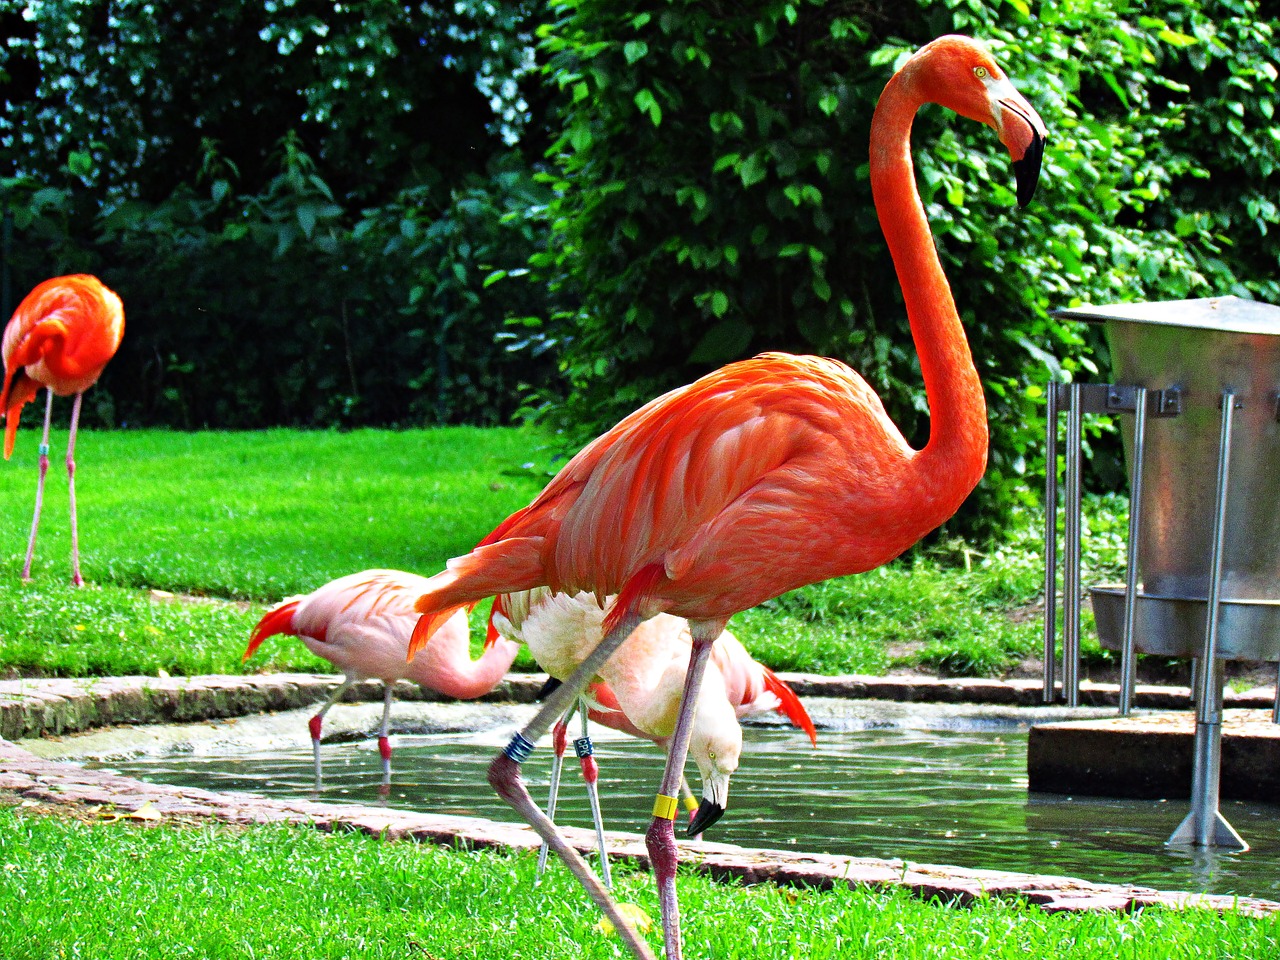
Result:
x=931 y=786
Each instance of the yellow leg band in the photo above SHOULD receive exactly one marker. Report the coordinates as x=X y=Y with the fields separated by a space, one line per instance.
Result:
x=665 y=807
x=691 y=803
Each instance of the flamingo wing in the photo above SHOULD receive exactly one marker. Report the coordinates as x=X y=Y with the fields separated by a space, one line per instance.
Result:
x=710 y=463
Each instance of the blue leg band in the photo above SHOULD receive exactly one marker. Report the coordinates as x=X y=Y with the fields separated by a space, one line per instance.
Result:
x=519 y=749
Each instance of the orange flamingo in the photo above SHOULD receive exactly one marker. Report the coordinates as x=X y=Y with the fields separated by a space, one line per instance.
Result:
x=60 y=337
x=361 y=623
x=761 y=477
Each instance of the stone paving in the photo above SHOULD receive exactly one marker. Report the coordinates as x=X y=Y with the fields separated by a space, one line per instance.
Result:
x=43 y=707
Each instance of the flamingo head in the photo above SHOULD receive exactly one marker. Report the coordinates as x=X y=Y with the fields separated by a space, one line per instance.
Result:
x=961 y=74
x=716 y=747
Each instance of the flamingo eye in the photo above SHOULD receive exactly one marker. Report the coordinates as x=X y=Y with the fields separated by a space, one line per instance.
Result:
x=980 y=72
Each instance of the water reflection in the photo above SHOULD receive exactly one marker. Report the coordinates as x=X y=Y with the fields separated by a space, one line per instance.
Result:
x=931 y=796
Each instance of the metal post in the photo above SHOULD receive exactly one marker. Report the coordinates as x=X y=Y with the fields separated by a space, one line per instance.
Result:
x=1051 y=539
x=1128 y=655
x=1205 y=826
x=1275 y=709
x=1071 y=552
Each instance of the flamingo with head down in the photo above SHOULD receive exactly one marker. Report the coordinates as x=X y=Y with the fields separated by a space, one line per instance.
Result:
x=759 y=478
x=361 y=623
x=638 y=691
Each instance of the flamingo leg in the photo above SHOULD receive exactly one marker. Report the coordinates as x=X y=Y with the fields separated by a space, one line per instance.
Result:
x=317 y=722
x=71 y=489
x=504 y=777
x=44 y=469
x=660 y=838
x=590 y=774
x=559 y=739
x=384 y=731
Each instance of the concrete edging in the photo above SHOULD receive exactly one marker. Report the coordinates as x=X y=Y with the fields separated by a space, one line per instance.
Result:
x=39 y=707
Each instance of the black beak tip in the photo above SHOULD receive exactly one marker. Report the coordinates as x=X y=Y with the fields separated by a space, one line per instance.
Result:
x=548 y=688
x=708 y=813
x=1027 y=170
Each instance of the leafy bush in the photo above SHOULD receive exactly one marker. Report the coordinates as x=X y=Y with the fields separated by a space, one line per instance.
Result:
x=300 y=206
x=712 y=198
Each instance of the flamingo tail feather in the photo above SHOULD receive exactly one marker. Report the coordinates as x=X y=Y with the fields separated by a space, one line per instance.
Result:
x=505 y=566
x=789 y=705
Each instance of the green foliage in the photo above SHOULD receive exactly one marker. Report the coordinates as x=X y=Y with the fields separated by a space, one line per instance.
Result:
x=312 y=246
x=712 y=198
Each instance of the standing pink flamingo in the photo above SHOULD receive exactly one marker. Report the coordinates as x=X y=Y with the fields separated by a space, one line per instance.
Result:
x=759 y=478
x=361 y=623
x=60 y=337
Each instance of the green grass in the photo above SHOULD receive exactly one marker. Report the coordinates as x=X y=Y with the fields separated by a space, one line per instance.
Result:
x=267 y=514
x=260 y=516
x=113 y=891
x=253 y=516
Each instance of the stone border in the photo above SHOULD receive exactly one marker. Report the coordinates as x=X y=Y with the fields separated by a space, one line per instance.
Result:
x=44 y=707
x=29 y=778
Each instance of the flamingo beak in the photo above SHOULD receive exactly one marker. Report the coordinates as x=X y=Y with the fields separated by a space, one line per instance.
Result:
x=1026 y=172
x=708 y=813
x=715 y=797
x=1023 y=132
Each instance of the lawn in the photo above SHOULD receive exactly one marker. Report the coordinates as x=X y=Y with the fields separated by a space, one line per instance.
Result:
x=122 y=891
x=254 y=517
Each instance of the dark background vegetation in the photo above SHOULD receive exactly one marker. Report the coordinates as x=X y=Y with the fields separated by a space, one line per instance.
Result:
x=330 y=214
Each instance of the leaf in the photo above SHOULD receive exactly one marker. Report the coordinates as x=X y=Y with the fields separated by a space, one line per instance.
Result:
x=635 y=50
x=145 y=812
x=307 y=219
x=80 y=163
x=638 y=918
x=752 y=170
x=647 y=103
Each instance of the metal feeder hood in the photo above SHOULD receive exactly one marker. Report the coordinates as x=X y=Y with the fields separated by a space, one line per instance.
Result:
x=1200 y=381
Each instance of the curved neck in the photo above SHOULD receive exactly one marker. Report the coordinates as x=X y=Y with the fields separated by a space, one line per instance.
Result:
x=957 y=410
x=447 y=666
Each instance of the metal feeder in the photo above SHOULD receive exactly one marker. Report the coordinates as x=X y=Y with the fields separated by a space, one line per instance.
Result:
x=1201 y=379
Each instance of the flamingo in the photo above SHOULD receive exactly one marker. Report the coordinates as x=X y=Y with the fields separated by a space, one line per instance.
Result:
x=361 y=623
x=761 y=477
x=639 y=688
x=61 y=337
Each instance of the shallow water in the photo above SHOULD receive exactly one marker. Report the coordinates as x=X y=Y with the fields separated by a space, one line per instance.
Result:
x=931 y=786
